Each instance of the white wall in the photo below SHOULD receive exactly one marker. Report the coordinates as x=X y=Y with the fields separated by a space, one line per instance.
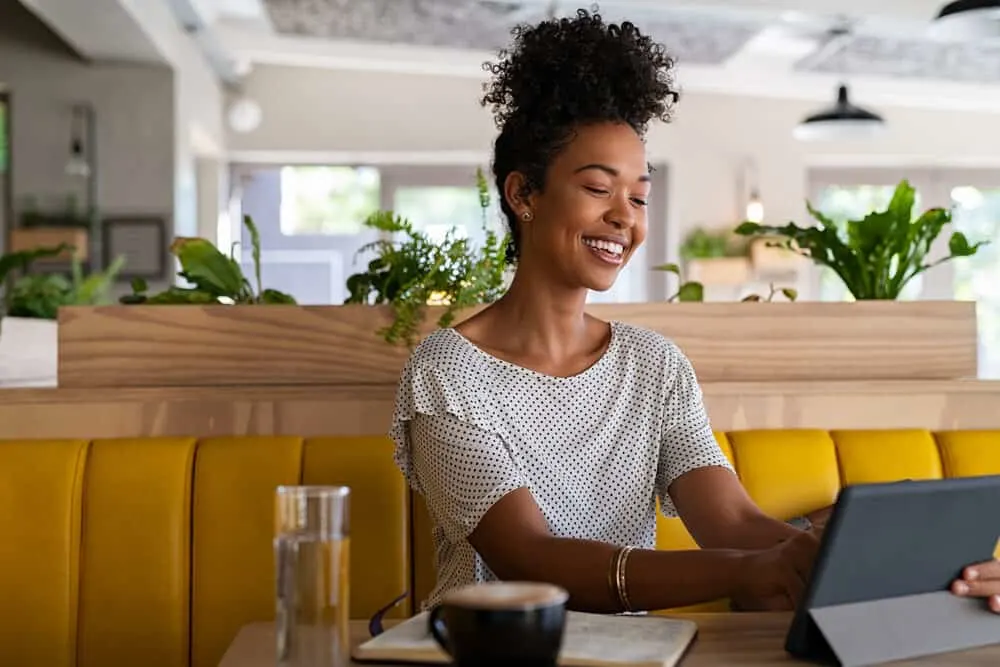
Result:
x=198 y=107
x=134 y=118
x=318 y=113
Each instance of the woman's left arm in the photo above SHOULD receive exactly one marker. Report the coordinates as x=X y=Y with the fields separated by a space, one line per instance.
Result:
x=718 y=512
x=696 y=481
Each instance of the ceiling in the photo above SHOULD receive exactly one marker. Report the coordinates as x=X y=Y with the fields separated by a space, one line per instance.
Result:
x=706 y=33
x=782 y=48
x=695 y=37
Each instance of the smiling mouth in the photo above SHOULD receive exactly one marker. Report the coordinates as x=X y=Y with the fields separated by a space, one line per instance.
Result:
x=608 y=251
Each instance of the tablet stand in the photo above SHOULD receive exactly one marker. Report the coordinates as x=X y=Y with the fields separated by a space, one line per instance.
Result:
x=869 y=633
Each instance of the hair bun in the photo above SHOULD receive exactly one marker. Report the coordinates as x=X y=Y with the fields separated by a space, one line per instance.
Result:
x=581 y=69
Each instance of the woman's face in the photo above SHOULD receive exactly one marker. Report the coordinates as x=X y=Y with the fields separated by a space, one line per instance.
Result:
x=590 y=217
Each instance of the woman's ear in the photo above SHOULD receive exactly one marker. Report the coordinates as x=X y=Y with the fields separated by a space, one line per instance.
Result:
x=517 y=193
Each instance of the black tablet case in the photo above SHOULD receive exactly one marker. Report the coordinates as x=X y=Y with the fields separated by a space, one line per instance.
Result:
x=880 y=589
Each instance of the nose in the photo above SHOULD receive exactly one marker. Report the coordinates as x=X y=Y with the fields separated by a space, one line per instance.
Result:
x=622 y=213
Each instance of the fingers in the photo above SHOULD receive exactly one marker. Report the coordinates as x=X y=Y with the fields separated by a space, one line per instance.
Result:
x=982 y=571
x=795 y=588
x=981 y=580
x=801 y=551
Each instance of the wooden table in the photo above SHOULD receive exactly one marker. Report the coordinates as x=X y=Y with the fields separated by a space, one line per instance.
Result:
x=723 y=639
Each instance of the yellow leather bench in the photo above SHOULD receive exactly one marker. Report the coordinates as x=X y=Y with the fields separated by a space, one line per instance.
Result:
x=154 y=551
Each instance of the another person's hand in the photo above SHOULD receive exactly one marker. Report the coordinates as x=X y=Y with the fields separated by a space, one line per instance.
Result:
x=775 y=579
x=981 y=580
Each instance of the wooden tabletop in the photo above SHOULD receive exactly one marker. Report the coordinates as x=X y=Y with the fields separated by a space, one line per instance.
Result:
x=723 y=639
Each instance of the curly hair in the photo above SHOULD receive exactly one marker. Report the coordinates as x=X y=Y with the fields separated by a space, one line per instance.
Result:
x=563 y=73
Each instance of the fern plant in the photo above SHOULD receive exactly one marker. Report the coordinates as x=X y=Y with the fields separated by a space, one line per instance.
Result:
x=411 y=271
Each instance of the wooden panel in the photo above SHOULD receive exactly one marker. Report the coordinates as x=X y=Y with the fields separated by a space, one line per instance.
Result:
x=149 y=346
x=366 y=410
x=50 y=237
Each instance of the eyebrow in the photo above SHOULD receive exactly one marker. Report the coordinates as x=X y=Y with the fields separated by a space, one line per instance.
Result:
x=611 y=171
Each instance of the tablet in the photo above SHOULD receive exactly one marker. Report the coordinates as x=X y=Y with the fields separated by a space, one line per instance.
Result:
x=898 y=546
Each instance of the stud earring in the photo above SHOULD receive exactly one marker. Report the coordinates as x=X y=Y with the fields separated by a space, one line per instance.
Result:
x=526 y=216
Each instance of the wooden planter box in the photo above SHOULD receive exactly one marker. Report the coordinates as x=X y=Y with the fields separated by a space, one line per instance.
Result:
x=719 y=271
x=32 y=238
x=150 y=346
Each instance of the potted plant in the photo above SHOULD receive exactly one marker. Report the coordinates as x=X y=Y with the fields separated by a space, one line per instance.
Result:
x=28 y=327
x=715 y=257
x=877 y=255
x=414 y=272
x=687 y=290
x=213 y=277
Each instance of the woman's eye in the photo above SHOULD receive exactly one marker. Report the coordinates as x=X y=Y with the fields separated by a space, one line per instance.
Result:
x=639 y=202
x=596 y=191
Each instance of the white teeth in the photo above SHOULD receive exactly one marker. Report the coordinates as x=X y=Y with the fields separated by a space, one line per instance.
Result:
x=607 y=246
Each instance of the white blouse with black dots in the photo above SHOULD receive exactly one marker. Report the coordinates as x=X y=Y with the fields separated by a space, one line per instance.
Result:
x=596 y=449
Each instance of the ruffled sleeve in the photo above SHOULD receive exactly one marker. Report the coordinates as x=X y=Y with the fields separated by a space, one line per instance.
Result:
x=449 y=448
x=688 y=441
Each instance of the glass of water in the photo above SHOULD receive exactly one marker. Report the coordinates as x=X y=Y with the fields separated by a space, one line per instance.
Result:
x=311 y=550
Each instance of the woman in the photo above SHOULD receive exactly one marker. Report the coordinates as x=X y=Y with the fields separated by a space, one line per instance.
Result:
x=541 y=437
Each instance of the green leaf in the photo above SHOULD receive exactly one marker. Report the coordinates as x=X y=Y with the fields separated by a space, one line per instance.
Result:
x=255 y=245
x=39 y=296
x=209 y=269
x=691 y=291
x=749 y=229
x=182 y=295
x=790 y=293
x=670 y=267
x=138 y=285
x=96 y=288
x=20 y=261
x=132 y=299
x=273 y=296
x=959 y=246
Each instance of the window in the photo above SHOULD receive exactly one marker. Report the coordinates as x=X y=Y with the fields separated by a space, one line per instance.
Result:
x=434 y=210
x=329 y=200
x=976 y=213
x=852 y=202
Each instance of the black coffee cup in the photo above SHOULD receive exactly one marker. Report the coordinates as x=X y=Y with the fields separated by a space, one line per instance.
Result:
x=501 y=623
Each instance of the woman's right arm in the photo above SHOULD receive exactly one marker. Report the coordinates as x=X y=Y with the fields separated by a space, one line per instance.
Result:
x=473 y=488
x=514 y=540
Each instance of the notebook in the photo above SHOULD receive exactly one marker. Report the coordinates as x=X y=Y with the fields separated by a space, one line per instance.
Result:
x=591 y=640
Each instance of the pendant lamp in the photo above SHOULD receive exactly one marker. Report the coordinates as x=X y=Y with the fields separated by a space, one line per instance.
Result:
x=841 y=121
x=963 y=20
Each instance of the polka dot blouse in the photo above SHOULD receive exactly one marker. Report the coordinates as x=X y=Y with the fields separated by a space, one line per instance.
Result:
x=596 y=450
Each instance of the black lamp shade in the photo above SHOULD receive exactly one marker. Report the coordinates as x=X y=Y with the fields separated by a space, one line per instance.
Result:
x=964 y=20
x=843 y=120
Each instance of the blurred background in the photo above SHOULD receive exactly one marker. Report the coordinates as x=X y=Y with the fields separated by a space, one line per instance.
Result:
x=126 y=123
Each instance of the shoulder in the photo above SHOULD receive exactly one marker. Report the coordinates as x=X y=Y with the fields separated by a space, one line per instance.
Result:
x=446 y=375
x=649 y=347
x=444 y=351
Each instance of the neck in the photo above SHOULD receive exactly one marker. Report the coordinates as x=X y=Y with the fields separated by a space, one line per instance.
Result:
x=543 y=318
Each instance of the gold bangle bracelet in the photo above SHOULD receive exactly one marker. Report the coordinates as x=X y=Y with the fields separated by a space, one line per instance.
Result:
x=622 y=580
x=613 y=576
x=620 y=583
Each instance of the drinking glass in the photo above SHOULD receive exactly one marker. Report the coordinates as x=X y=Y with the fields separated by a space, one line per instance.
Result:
x=311 y=548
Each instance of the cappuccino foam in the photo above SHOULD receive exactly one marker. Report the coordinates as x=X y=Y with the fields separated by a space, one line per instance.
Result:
x=506 y=595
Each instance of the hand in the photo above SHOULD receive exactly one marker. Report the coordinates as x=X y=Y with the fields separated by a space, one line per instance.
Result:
x=775 y=579
x=981 y=580
x=819 y=518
